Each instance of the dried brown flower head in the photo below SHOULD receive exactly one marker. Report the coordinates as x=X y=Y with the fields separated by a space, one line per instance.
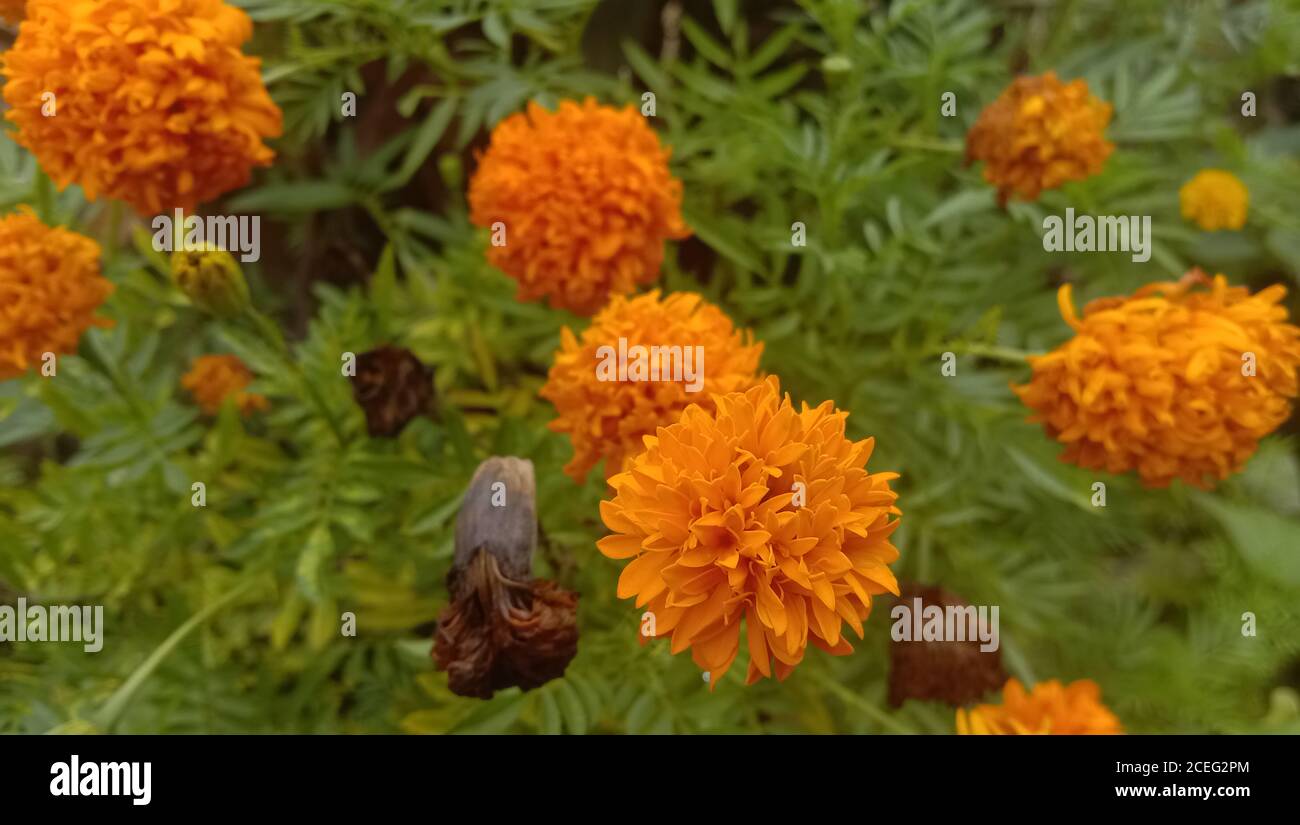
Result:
x=954 y=672
x=393 y=387
x=503 y=628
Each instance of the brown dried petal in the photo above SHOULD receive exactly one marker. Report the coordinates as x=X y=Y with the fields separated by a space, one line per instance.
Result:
x=503 y=628
x=499 y=632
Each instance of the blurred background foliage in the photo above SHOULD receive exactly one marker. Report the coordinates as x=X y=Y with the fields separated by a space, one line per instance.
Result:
x=825 y=112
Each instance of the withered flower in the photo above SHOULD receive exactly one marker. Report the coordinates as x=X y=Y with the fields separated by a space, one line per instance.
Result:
x=392 y=387
x=503 y=628
x=954 y=672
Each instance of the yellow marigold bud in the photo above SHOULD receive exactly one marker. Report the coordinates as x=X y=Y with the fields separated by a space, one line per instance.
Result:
x=580 y=202
x=1181 y=380
x=50 y=287
x=606 y=416
x=214 y=378
x=147 y=102
x=1039 y=134
x=754 y=512
x=212 y=280
x=1215 y=199
x=1050 y=708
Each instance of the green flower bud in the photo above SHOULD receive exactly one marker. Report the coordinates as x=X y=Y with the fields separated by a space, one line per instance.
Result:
x=212 y=280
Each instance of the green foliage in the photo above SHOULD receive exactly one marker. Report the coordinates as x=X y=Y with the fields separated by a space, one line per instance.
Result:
x=825 y=112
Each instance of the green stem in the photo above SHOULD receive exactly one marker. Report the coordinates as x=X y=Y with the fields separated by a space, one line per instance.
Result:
x=1064 y=23
x=851 y=698
x=954 y=147
x=923 y=556
x=1016 y=661
x=112 y=710
x=1009 y=354
x=44 y=197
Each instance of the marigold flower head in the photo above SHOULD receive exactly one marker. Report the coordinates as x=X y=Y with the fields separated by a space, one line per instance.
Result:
x=586 y=200
x=608 y=418
x=1050 y=708
x=1181 y=380
x=153 y=102
x=214 y=378
x=759 y=512
x=50 y=287
x=1039 y=134
x=1215 y=199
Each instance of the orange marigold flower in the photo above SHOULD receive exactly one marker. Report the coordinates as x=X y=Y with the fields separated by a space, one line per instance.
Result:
x=1215 y=199
x=12 y=11
x=606 y=417
x=1181 y=380
x=50 y=287
x=214 y=378
x=154 y=104
x=586 y=199
x=1050 y=708
x=753 y=511
x=1039 y=134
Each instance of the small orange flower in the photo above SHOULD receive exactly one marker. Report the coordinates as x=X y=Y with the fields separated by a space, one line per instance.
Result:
x=214 y=378
x=586 y=201
x=608 y=418
x=148 y=102
x=1050 y=708
x=756 y=512
x=1174 y=382
x=1039 y=134
x=50 y=287
x=12 y=11
x=1215 y=199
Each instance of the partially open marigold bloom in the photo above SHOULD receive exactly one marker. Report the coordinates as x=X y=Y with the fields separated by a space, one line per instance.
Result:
x=214 y=378
x=606 y=417
x=148 y=102
x=211 y=279
x=756 y=512
x=1039 y=134
x=1215 y=199
x=50 y=287
x=1181 y=380
x=585 y=200
x=1050 y=708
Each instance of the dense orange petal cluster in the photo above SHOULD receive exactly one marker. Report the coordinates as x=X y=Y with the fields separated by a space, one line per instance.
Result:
x=1050 y=708
x=147 y=101
x=1215 y=199
x=758 y=512
x=50 y=287
x=608 y=419
x=1181 y=380
x=586 y=200
x=214 y=378
x=1039 y=134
